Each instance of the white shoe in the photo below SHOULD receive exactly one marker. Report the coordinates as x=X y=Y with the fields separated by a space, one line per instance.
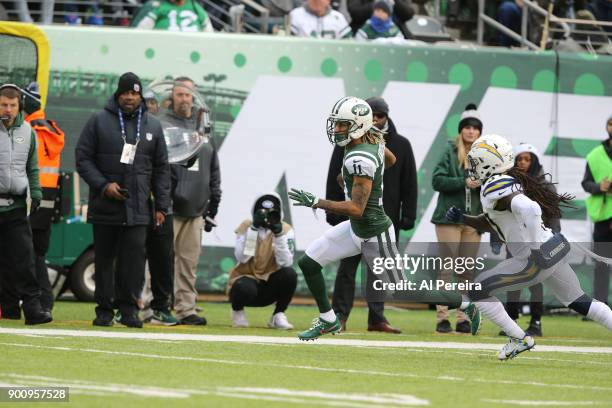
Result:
x=515 y=347
x=279 y=321
x=239 y=319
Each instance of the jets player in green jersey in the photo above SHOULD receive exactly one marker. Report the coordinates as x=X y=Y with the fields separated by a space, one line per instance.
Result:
x=365 y=158
x=173 y=15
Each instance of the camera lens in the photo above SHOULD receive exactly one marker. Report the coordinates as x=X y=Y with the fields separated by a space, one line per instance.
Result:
x=274 y=217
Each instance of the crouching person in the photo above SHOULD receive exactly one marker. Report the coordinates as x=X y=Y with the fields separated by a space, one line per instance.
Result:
x=264 y=273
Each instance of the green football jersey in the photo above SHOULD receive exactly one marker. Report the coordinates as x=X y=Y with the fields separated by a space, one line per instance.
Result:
x=163 y=15
x=367 y=160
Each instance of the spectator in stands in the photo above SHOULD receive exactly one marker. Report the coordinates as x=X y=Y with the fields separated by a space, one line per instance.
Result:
x=602 y=10
x=509 y=14
x=122 y=155
x=264 y=273
x=46 y=11
x=317 y=19
x=399 y=200
x=527 y=159
x=596 y=181
x=457 y=189
x=380 y=25
x=361 y=10
x=173 y=15
x=195 y=200
x=280 y=8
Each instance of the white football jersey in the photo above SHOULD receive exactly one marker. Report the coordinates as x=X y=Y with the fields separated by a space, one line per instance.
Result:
x=332 y=25
x=505 y=222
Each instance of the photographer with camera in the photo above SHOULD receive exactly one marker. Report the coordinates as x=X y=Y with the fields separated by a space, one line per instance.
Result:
x=122 y=156
x=264 y=273
x=196 y=193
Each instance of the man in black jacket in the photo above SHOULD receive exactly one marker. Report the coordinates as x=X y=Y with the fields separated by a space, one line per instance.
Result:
x=399 y=201
x=195 y=200
x=121 y=154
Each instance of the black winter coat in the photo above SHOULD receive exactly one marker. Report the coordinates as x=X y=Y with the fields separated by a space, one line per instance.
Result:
x=98 y=155
x=400 y=182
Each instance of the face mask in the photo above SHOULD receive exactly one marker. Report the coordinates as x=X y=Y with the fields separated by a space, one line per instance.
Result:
x=380 y=26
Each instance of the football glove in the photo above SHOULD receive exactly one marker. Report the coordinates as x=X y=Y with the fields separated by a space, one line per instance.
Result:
x=455 y=215
x=303 y=198
x=496 y=247
x=34 y=205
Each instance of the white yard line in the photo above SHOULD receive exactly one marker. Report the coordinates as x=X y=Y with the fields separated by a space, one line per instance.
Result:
x=311 y=368
x=356 y=400
x=291 y=340
x=546 y=403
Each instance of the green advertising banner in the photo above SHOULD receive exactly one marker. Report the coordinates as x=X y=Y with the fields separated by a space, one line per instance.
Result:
x=270 y=97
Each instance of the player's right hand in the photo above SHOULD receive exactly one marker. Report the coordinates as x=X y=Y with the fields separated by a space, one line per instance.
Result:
x=303 y=198
x=455 y=215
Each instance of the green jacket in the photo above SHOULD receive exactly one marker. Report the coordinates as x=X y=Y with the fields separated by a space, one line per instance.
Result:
x=31 y=164
x=599 y=206
x=449 y=179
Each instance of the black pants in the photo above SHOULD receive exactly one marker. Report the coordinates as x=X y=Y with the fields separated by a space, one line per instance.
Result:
x=120 y=263
x=279 y=288
x=17 y=273
x=602 y=232
x=40 y=239
x=160 y=253
x=344 y=293
x=535 y=305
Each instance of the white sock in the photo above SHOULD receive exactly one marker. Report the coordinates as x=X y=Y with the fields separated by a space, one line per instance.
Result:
x=493 y=310
x=601 y=313
x=465 y=302
x=329 y=316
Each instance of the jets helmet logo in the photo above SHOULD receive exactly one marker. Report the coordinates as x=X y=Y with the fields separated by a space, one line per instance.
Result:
x=360 y=110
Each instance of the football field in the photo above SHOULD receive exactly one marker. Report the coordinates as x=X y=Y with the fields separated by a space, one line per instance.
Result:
x=219 y=366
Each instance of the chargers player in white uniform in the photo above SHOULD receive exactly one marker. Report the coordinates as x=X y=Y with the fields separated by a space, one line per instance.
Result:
x=514 y=204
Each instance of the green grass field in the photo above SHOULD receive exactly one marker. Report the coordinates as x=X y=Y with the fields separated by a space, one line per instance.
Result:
x=227 y=372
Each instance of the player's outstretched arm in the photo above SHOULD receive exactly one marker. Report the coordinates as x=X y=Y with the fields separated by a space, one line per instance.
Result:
x=390 y=158
x=478 y=222
x=362 y=186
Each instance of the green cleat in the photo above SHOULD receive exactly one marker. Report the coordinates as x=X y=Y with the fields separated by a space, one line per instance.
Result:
x=319 y=328
x=473 y=314
x=164 y=318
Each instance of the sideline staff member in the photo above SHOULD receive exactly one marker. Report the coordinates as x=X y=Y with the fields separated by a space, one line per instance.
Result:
x=122 y=156
x=18 y=171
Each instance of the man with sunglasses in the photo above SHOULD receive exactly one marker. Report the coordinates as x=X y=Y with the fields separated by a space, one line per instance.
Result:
x=399 y=202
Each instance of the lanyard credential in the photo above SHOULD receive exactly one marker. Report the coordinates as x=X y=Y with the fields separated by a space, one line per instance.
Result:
x=129 y=150
x=122 y=124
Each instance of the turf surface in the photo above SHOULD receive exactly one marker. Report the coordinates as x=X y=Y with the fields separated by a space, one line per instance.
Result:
x=137 y=372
